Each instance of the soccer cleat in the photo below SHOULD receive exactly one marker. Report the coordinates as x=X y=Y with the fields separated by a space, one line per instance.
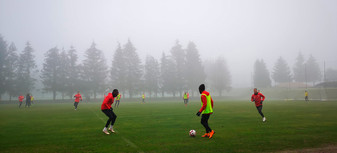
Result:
x=205 y=135
x=264 y=119
x=105 y=131
x=211 y=134
x=111 y=129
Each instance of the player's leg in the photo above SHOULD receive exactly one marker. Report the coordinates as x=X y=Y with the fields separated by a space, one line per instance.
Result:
x=107 y=113
x=75 y=104
x=20 y=103
x=113 y=119
x=117 y=103
x=259 y=108
x=204 y=122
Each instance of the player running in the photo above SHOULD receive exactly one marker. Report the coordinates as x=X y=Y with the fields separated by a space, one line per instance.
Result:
x=206 y=110
x=118 y=98
x=256 y=97
x=78 y=97
x=20 y=98
x=107 y=110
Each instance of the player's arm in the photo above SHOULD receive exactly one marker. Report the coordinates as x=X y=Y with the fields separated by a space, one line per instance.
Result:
x=81 y=97
x=252 y=99
x=263 y=97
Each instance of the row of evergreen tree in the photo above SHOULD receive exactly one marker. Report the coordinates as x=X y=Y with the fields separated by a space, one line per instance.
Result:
x=62 y=74
x=303 y=71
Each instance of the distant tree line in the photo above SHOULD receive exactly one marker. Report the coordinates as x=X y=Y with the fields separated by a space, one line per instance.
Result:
x=179 y=70
x=304 y=71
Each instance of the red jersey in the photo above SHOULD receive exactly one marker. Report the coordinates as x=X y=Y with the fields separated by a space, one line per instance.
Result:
x=107 y=102
x=21 y=98
x=257 y=99
x=204 y=101
x=78 y=97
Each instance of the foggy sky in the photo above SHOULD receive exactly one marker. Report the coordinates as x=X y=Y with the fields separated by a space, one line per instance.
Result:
x=239 y=30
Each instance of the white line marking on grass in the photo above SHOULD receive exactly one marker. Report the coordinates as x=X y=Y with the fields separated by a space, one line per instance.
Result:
x=125 y=139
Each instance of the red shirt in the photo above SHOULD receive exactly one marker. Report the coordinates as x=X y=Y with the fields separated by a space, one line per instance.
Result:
x=78 y=97
x=257 y=99
x=204 y=101
x=107 y=102
x=21 y=98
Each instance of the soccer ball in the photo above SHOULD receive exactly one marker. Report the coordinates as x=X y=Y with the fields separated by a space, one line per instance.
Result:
x=193 y=133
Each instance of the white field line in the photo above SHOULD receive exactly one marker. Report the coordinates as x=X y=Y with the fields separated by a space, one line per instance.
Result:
x=125 y=139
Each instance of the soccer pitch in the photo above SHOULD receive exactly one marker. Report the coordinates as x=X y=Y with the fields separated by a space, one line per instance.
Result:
x=164 y=127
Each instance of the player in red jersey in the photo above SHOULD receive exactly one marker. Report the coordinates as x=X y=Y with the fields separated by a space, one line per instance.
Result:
x=258 y=98
x=20 y=100
x=77 y=99
x=107 y=110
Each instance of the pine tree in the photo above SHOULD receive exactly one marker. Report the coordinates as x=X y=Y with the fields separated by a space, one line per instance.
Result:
x=281 y=73
x=133 y=69
x=219 y=76
x=3 y=55
x=194 y=70
x=299 y=68
x=168 y=75
x=64 y=73
x=95 y=69
x=73 y=84
x=151 y=75
x=26 y=70
x=118 y=70
x=313 y=71
x=178 y=55
x=51 y=71
x=12 y=65
x=261 y=75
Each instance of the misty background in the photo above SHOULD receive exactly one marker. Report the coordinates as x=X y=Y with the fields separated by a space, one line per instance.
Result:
x=241 y=32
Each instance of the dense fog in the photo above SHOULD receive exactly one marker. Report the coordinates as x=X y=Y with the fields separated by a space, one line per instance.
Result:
x=164 y=47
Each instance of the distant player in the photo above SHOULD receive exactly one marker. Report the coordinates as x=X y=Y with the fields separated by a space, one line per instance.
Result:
x=20 y=98
x=32 y=99
x=188 y=96
x=258 y=98
x=206 y=110
x=306 y=95
x=107 y=110
x=185 y=98
x=118 y=98
x=143 y=98
x=78 y=97
x=27 y=100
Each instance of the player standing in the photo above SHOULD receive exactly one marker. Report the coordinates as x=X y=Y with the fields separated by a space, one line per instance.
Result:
x=185 y=99
x=256 y=97
x=107 y=110
x=118 y=98
x=78 y=97
x=20 y=100
x=32 y=99
x=27 y=100
x=143 y=98
x=306 y=95
x=206 y=110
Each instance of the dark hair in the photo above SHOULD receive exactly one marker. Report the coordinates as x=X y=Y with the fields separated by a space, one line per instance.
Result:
x=202 y=87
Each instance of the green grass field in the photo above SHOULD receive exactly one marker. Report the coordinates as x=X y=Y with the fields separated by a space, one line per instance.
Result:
x=164 y=127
